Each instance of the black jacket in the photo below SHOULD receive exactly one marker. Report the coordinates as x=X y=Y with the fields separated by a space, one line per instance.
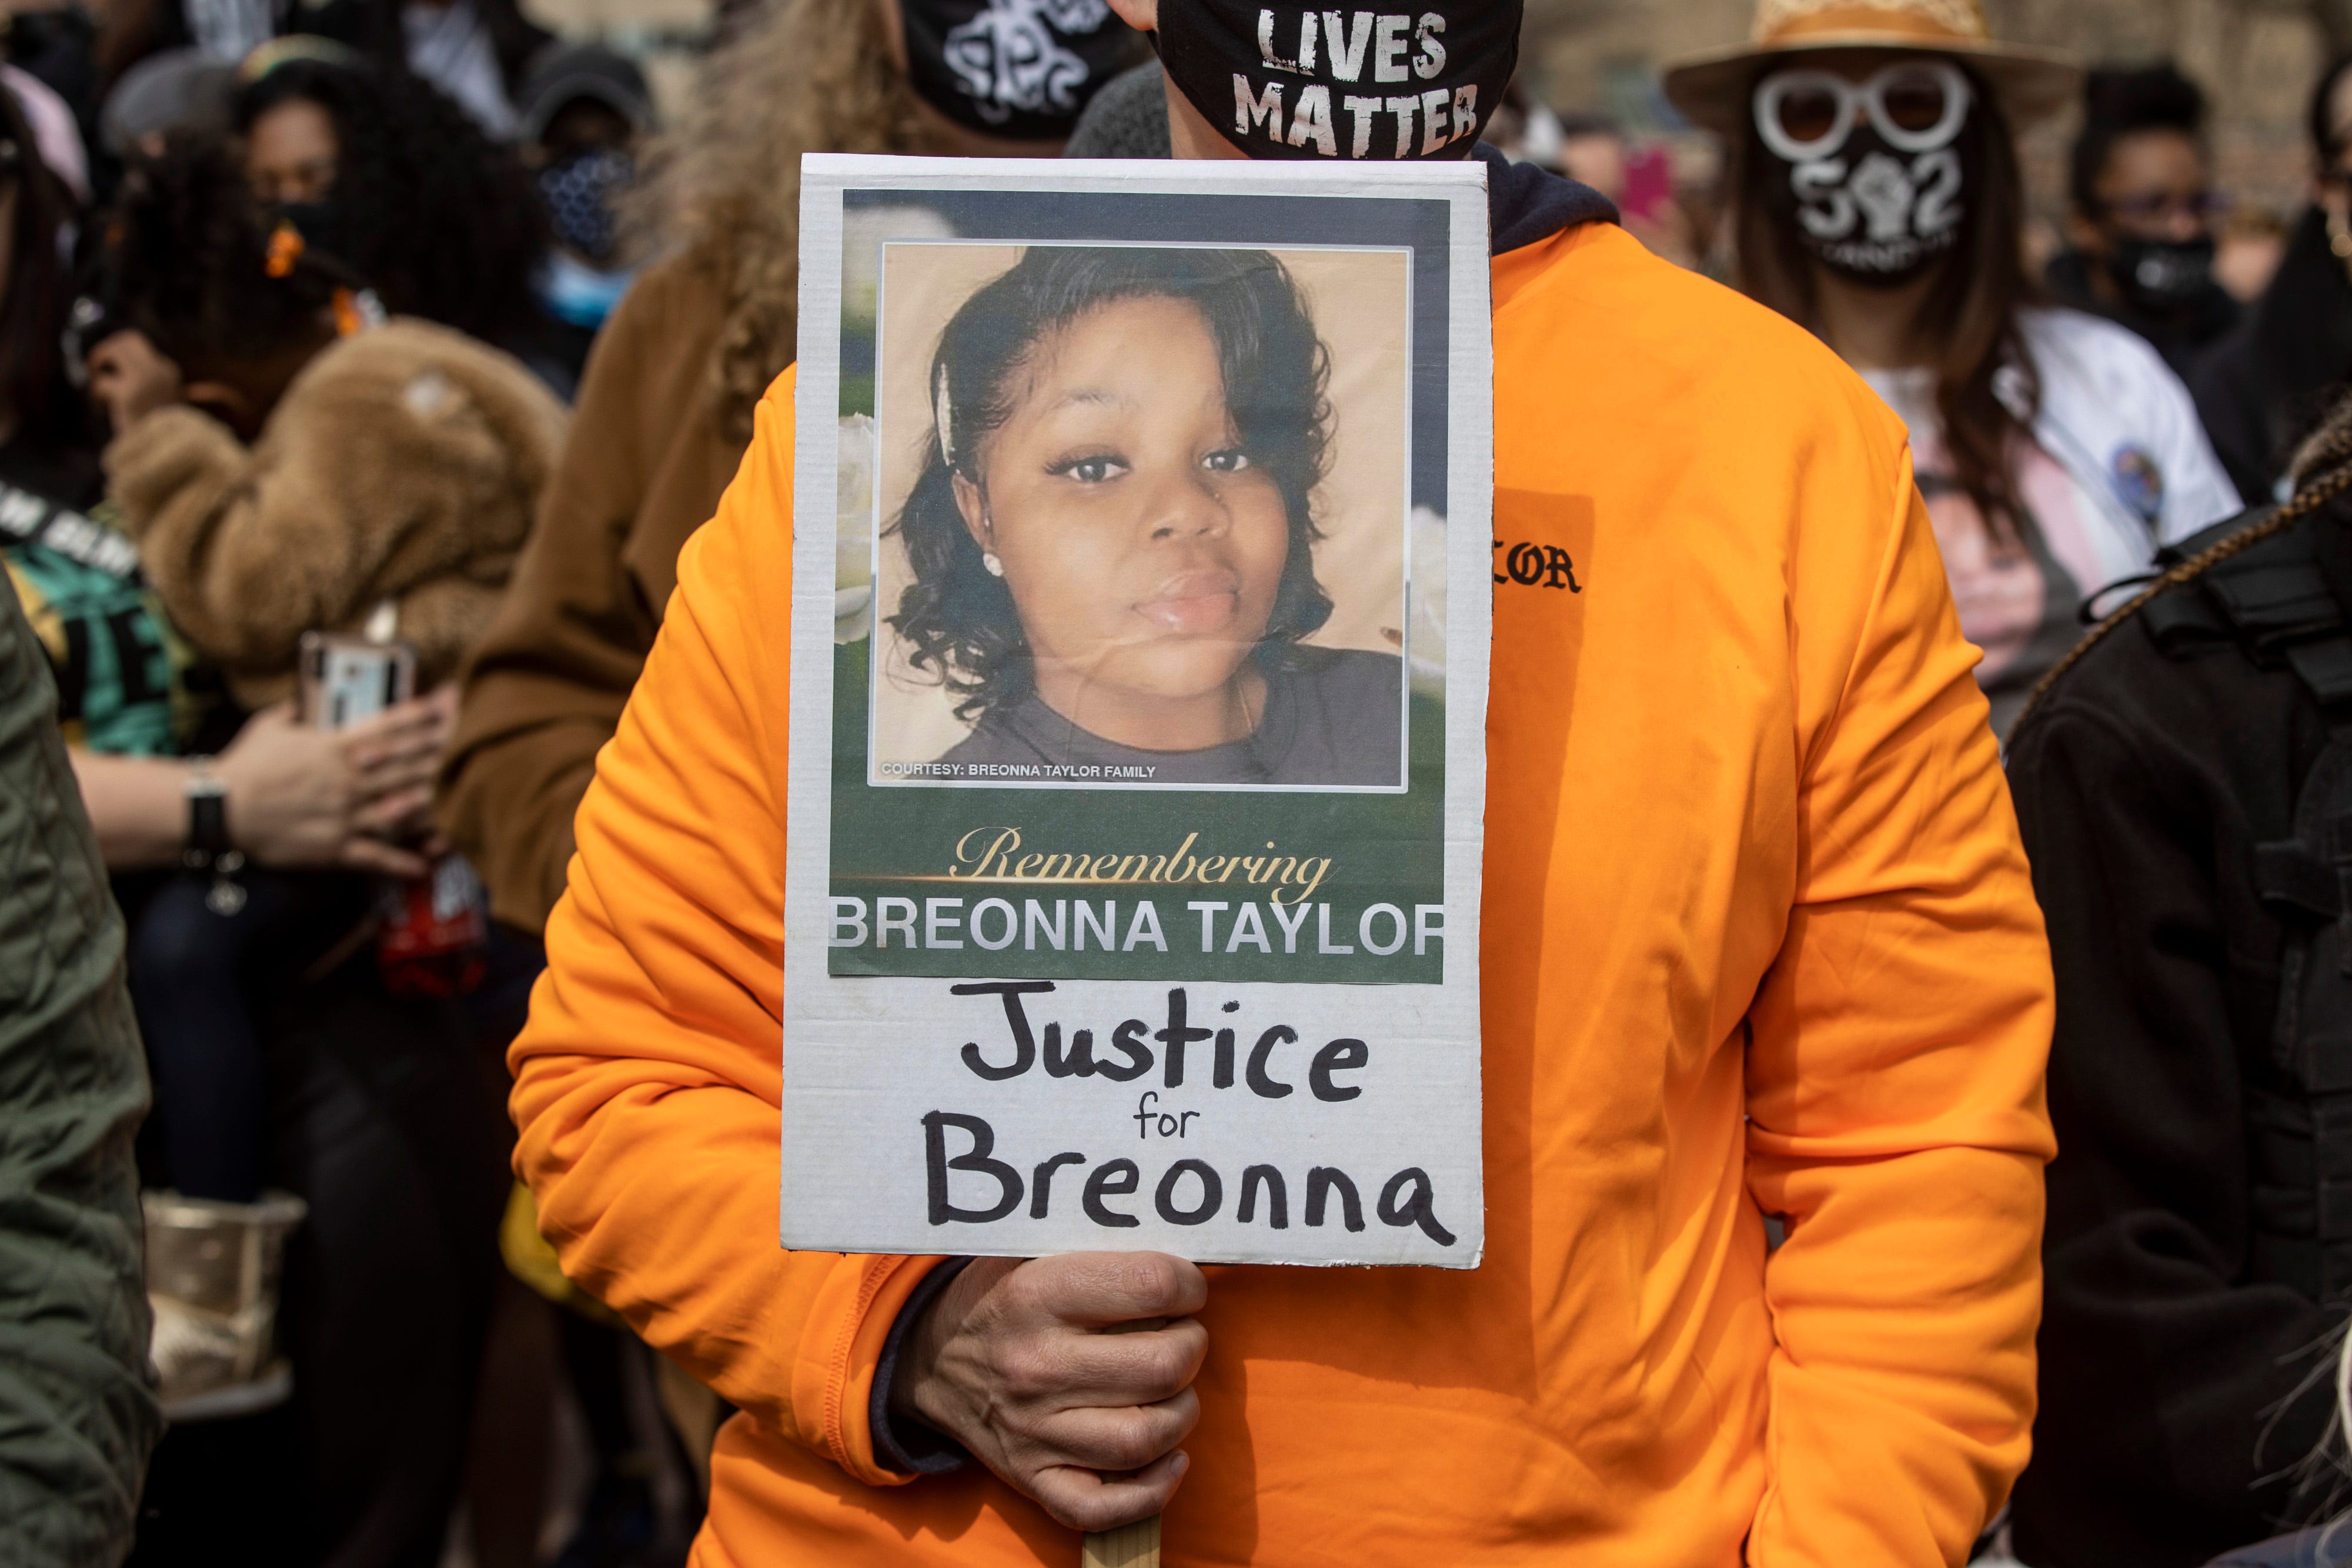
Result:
x=2175 y=1383
x=2263 y=389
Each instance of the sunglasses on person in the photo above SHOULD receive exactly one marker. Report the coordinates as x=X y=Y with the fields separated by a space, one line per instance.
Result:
x=1918 y=106
x=2158 y=206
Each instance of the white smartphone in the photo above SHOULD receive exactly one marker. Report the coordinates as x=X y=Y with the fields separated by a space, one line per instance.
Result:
x=347 y=679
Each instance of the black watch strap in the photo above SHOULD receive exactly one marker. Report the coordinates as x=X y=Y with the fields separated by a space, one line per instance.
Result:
x=208 y=852
x=207 y=844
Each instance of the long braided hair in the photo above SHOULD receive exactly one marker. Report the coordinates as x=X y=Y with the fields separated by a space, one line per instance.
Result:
x=2322 y=471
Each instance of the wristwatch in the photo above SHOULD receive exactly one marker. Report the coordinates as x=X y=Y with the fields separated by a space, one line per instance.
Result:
x=208 y=849
x=207 y=819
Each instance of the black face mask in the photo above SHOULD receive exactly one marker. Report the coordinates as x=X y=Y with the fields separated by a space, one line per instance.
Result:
x=1017 y=69
x=1874 y=214
x=581 y=192
x=1284 y=81
x=2162 y=274
x=1873 y=176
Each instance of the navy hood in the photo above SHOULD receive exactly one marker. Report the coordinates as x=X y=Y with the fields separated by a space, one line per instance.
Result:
x=1525 y=204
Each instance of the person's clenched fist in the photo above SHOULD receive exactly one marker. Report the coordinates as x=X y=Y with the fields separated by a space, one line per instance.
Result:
x=1052 y=1371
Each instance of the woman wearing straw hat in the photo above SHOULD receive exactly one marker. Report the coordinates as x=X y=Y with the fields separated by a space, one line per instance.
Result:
x=1879 y=204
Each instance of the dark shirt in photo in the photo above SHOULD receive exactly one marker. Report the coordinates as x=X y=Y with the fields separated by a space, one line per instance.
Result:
x=1333 y=717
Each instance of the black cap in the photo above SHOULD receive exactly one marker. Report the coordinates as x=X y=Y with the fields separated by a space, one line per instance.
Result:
x=563 y=74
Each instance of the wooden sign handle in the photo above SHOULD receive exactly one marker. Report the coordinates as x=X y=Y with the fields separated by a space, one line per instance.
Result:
x=1133 y=1545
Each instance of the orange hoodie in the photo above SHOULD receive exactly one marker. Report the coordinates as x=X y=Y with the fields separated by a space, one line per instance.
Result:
x=1758 y=938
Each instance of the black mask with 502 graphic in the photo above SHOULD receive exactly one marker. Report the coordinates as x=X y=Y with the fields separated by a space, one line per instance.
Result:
x=1875 y=175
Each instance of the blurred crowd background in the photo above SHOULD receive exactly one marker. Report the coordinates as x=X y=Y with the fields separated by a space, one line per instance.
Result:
x=2255 y=59
x=1591 y=70
x=1591 y=73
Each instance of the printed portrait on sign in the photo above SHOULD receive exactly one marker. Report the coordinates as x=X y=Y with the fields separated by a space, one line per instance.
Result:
x=1134 y=755
x=1141 y=516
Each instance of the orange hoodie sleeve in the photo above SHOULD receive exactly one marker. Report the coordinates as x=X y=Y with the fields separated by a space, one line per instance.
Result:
x=649 y=1081
x=1895 y=1077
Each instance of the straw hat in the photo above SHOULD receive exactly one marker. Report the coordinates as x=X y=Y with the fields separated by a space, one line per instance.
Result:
x=1712 y=89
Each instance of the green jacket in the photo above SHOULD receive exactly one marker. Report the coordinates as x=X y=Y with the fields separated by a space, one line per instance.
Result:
x=77 y=1415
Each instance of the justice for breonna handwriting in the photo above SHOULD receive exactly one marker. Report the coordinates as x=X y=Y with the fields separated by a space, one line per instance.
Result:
x=1140 y=624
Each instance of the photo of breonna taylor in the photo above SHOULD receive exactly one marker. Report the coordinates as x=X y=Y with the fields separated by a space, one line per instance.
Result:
x=1111 y=545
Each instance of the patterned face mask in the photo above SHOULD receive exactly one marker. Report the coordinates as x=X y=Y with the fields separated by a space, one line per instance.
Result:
x=580 y=192
x=1017 y=69
x=1297 y=81
x=1875 y=169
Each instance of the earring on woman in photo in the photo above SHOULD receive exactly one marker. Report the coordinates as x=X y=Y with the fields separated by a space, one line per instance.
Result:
x=989 y=558
x=943 y=416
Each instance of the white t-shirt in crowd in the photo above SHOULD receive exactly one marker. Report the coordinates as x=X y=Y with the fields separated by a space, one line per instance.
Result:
x=2117 y=467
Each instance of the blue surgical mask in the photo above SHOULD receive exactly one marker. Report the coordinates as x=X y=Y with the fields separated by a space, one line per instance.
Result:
x=576 y=292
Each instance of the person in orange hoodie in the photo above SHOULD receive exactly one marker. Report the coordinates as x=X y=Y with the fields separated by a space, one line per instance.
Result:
x=1758 y=940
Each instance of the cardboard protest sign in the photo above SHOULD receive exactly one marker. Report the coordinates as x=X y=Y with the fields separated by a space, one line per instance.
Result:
x=1140 y=623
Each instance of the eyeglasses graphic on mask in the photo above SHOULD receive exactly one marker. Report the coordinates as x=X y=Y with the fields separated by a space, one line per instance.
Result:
x=1918 y=106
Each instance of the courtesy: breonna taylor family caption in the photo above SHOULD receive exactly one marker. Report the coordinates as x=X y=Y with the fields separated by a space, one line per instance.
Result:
x=1140 y=625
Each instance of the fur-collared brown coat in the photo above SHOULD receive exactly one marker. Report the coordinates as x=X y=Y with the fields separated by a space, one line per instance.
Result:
x=402 y=464
x=648 y=458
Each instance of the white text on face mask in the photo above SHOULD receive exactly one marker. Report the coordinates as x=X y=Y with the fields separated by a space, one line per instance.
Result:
x=1445 y=117
x=1909 y=212
x=1389 y=48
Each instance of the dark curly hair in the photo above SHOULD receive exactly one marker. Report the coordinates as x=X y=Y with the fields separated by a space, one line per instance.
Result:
x=2118 y=103
x=438 y=220
x=960 y=620
x=40 y=287
x=188 y=262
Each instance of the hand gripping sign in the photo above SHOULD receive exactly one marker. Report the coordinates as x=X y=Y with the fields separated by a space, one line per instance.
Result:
x=1140 y=625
